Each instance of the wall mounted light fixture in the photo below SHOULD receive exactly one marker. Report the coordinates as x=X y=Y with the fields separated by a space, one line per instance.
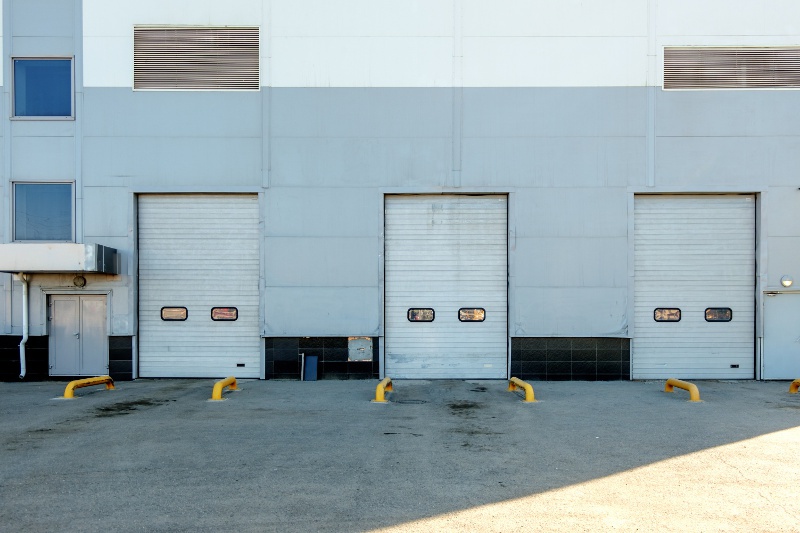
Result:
x=787 y=281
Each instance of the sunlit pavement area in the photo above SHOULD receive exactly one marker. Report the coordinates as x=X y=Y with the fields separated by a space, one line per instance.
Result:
x=156 y=455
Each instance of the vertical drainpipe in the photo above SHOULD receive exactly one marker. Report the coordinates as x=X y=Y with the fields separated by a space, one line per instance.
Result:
x=22 y=366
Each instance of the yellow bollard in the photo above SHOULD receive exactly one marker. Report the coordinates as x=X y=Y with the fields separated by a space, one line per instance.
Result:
x=694 y=393
x=794 y=386
x=380 y=390
x=69 y=392
x=516 y=383
x=216 y=394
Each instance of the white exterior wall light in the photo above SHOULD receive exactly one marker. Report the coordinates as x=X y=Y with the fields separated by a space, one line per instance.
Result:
x=787 y=281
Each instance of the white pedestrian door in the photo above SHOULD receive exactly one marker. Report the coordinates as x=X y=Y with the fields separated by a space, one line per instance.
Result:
x=446 y=286
x=78 y=340
x=694 y=287
x=781 y=336
x=199 y=286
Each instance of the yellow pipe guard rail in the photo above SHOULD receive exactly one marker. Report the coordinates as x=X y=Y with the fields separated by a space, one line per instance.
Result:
x=216 y=394
x=694 y=393
x=516 y=383
x=69 y=392
x=380 y=390
x=794 y=386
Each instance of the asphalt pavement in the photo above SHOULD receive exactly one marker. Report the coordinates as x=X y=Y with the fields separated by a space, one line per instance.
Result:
x=156 y=455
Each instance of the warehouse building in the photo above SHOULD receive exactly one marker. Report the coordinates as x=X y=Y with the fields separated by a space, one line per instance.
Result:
x=453 y=189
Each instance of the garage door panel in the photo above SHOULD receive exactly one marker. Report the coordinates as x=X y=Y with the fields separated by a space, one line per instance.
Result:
x=199 y=252
x=446 y=253
x=693 y=253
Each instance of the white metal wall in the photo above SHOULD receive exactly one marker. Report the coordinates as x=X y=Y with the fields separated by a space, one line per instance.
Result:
x=199 y=252
x=446 y=253
x=693 y=253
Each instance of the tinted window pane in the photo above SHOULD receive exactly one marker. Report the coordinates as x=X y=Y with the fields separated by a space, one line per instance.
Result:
x=224 y=313
x=42 y=87
x=469 y=314
x=667 y=314
x=719 y=314
x=43 y=212
x=420 y=315
x=174 y=313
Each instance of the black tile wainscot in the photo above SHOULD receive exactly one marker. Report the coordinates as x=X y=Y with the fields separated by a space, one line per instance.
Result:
x=570 y=358
x=283 y=358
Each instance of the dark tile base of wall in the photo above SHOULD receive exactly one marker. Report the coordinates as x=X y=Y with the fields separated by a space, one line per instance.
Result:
x=283 y=358
x=570 y=359
x=37 y=358
x=120 y=358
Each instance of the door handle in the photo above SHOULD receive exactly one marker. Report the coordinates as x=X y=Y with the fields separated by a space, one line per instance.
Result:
x=77 y=335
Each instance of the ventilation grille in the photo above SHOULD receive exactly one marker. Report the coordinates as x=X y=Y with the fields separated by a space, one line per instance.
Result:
x=195 y=58
x=731 y=68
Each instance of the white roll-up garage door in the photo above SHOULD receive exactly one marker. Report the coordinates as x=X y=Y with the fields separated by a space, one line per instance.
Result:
x=694 y=287
x=445 y=270
x=199 y=253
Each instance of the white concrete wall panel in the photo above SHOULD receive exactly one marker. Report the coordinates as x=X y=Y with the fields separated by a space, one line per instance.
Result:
x=108 y=30
x=107 y=215
x=725 y=18
x=323 y=212
x=571 y=212
x=325 y=311
x=511 y=61
x=323 y=262
x=596 y=18
x=36 y=18
x=569 y=312
x=356 y=61
x=182 y=164
x=59 y=164
x=365 y=18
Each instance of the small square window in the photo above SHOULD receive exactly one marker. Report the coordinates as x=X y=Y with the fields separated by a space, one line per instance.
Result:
x=43 y=212
x=43 y=88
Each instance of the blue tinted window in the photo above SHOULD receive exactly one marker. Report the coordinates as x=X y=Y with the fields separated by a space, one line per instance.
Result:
x=43 y=87
x=43 y=211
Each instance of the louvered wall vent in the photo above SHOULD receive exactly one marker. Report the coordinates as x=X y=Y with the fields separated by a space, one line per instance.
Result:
x=731 y=68
x=195 y=58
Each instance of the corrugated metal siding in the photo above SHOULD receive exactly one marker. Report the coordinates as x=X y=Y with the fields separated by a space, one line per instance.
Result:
x=198 y=252
x=692 y=253
x=445 y=253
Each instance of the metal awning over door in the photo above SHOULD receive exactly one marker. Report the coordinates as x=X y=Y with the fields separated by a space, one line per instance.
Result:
x=694 y=294
x=446 y=286
x=198 y=286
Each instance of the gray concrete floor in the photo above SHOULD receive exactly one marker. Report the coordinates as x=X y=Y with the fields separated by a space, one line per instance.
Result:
x=155 y=455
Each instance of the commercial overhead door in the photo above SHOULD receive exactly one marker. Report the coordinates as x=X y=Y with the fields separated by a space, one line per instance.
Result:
x=198 y=286
x=446 y=286
x=694 y=284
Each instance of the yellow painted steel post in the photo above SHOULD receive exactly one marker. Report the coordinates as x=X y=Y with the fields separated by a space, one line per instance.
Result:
x=794 y=386
x=380 y=390
x=216 y=393
x=694 y=392
x=516 y=383
x=69 y=392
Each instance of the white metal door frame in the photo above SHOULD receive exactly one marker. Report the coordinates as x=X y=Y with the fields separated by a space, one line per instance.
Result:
x=84 y=336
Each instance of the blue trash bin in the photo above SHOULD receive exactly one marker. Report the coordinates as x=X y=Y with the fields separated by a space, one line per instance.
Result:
x=310 y=367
